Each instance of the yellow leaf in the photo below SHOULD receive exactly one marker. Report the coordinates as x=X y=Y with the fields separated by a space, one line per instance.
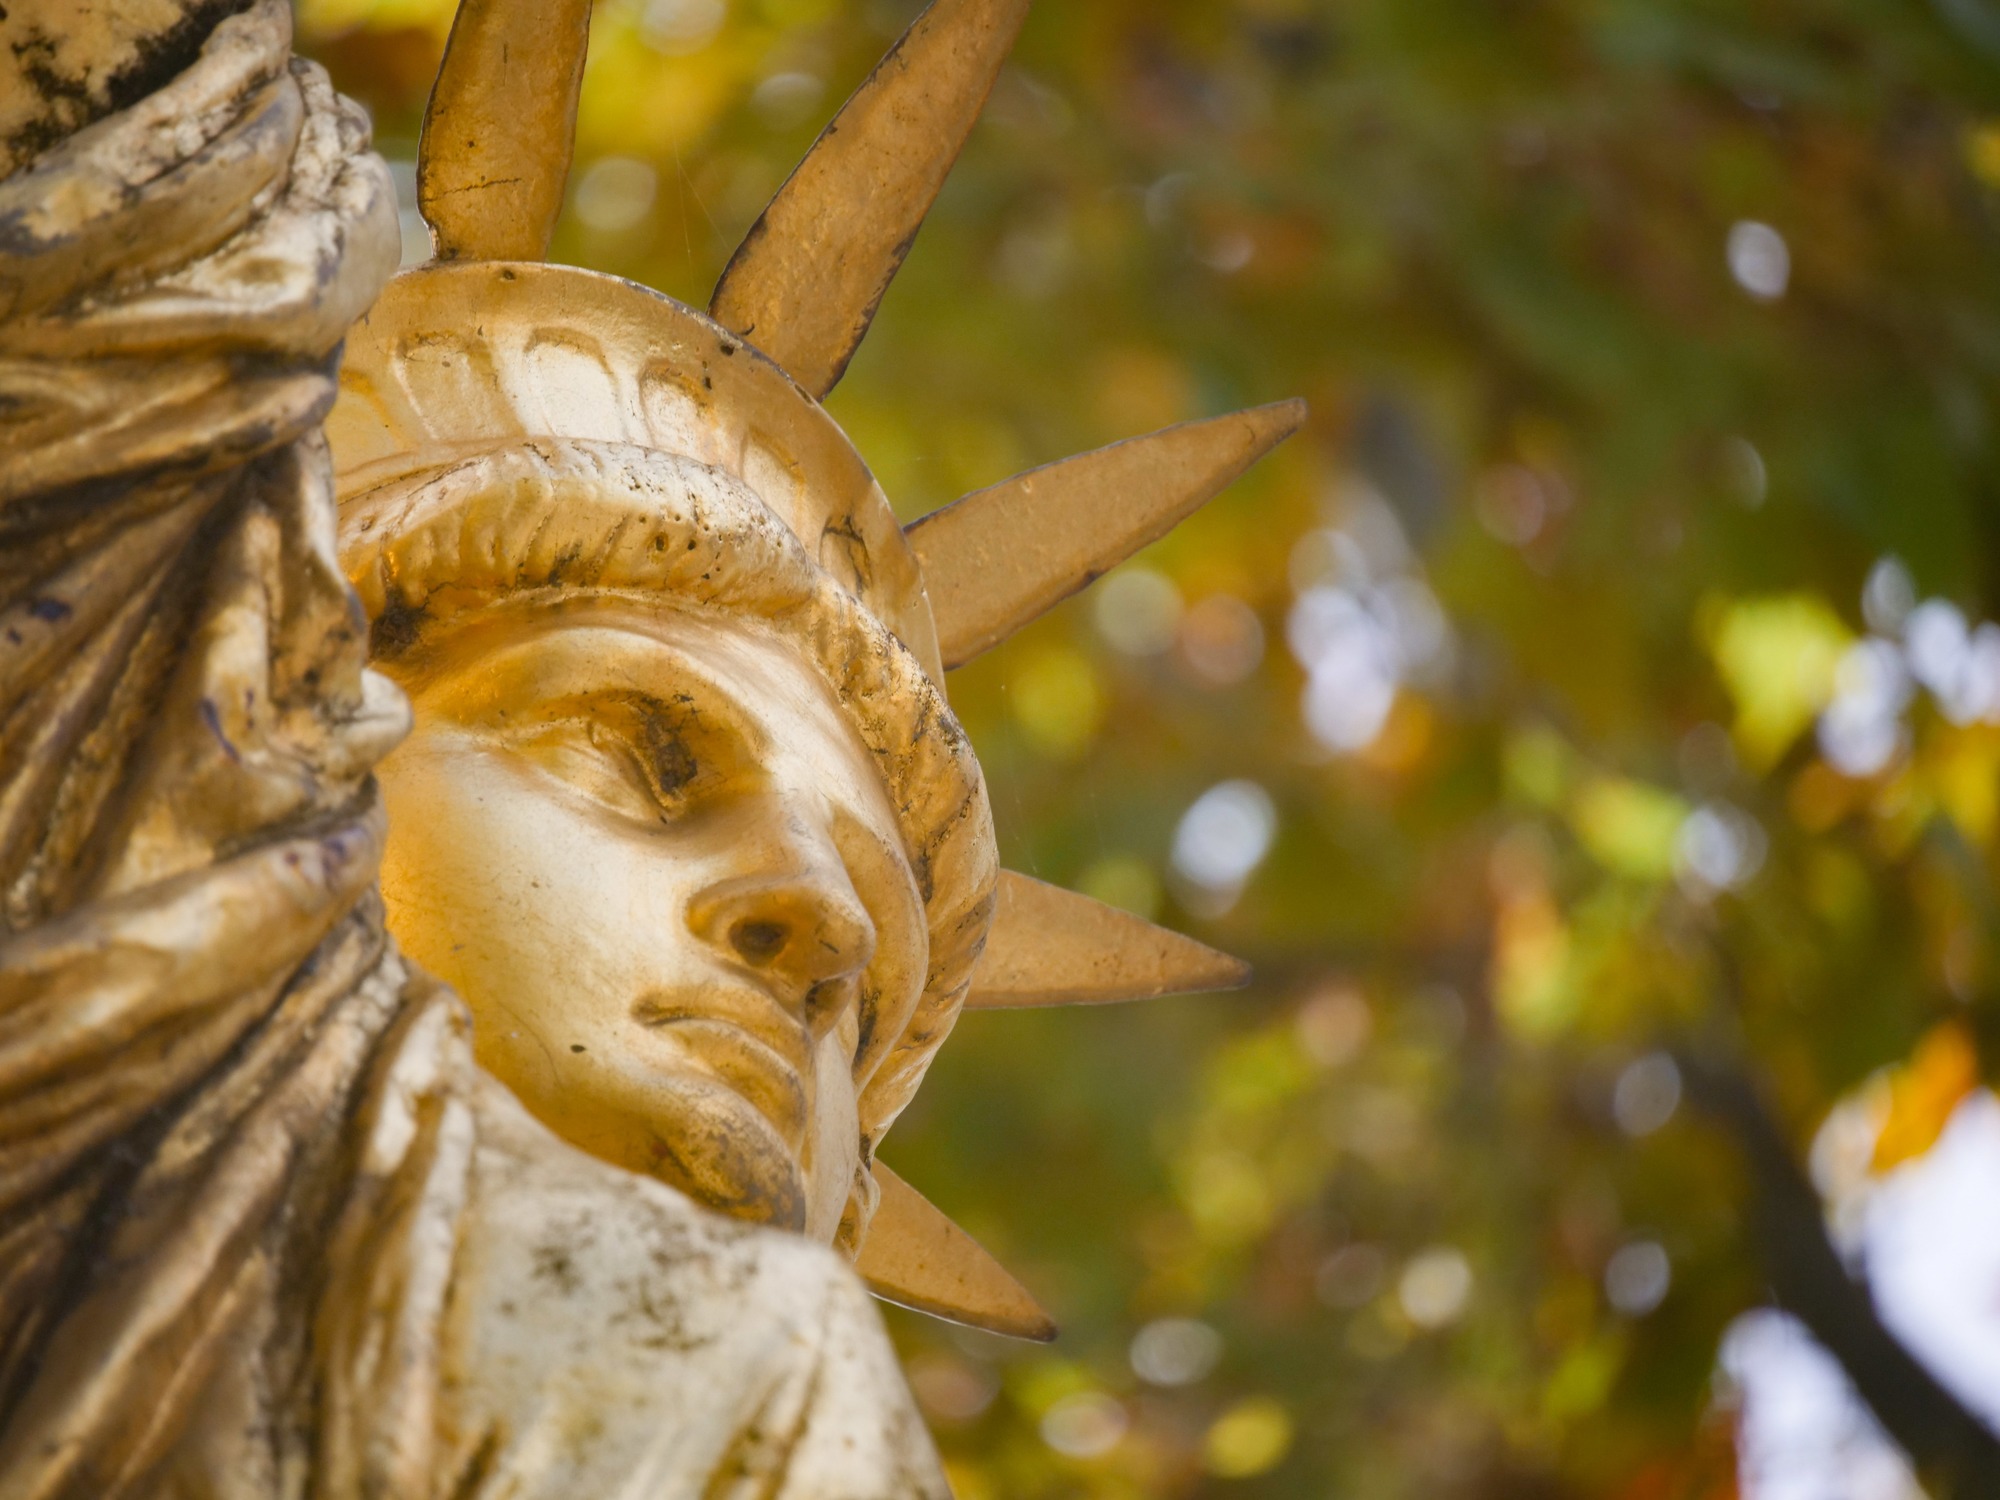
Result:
x=1251 y=1438
x=1058 y=701
x=1924 y=1092
x=1629 y=827
x=1982 y=152
x=1965 y=770
x=1531 y=979
x=1777 y=657
x=331 y=17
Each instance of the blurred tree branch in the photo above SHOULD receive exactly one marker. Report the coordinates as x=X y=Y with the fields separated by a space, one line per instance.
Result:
x=1956 y=1453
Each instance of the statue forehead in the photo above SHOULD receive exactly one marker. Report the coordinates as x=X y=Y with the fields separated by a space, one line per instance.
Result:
x=624 y=621
x=466 y=357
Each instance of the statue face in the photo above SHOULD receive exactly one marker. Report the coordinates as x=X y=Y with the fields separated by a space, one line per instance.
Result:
x=650 y=852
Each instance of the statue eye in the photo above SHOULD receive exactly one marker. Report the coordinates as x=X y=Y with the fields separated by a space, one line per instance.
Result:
x=666 y=760
x=626 y=758
x=639 y=777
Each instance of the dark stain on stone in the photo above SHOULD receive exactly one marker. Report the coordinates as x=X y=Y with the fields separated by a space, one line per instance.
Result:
x=564 y=561
x=157 y=62
x=397 y=627
x=213 y=720
x=479 y=1468
x=553 y=1264
x=171 y=53
x=36 y=55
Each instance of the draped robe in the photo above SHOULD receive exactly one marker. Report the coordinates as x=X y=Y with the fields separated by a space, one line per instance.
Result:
x=265 y=1230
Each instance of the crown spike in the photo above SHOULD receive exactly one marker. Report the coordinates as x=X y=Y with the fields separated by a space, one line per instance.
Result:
x=804 y=284
x=999 y=558
x=500 y=127
x=917 y=1258
x=1050 y=946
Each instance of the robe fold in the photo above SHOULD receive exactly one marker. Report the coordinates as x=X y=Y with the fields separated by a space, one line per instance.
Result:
x=266 y=1233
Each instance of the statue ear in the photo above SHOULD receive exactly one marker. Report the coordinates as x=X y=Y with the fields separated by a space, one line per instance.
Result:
x=917 y=1258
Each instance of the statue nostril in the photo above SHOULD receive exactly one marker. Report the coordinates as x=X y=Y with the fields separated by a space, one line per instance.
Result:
x=759 y=942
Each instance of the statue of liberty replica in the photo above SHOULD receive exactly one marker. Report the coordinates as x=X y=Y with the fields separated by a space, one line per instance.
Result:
x=463 y=1077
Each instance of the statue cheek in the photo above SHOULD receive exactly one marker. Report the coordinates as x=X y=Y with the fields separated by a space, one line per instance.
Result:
x=453 y=873
x=491 y=871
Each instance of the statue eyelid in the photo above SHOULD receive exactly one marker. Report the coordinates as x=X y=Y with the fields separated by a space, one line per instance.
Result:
x=595 y=756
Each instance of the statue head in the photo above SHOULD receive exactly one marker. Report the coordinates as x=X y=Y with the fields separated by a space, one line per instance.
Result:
x=684 y=815
x=684 y=820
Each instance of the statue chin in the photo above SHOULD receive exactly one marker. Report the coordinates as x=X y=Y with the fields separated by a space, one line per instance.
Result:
x=692 y=1131
x=649 y=852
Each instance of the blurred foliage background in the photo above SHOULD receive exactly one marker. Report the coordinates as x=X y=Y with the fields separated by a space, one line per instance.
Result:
x=1602 y=674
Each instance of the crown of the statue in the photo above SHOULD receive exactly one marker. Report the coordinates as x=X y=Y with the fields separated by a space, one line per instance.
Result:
x=464 y=357
x=488 y=350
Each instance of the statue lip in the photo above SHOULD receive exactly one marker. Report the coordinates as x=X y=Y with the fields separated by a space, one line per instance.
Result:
x=756 y=1015
x=753 y=1045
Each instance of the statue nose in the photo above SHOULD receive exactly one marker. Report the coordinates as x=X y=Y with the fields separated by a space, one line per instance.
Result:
x=804 y=930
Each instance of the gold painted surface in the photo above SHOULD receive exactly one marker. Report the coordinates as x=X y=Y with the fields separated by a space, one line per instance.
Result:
x=1054 y=947
x=580 y=507
x=682 y=811
x=501 y=125
x=806 y=281
x=271 y=1231
x=997 y=559
x=917 y=1258
x=454 y=360
x=663 y=869
x=90 y=189
x=62 y=64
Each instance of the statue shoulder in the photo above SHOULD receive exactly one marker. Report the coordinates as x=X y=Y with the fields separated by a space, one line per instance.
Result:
x=607 y=1330
x=578 y=1229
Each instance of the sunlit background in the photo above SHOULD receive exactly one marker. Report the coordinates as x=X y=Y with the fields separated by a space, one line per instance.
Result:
x=1607 y=678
